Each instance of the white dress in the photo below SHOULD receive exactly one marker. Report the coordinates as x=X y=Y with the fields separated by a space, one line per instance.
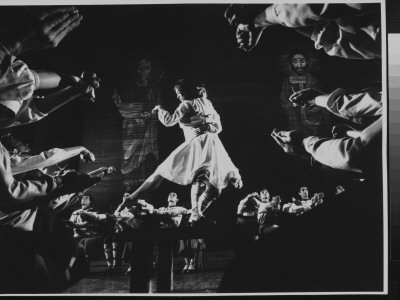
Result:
x=197 y=152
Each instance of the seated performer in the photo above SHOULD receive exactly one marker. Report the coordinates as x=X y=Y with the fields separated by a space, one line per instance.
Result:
x=295 y=207
x=201 y=150
x=172 y=217
x=129 y=217
x=87 y=226
x=268 y=215
x=250 y=206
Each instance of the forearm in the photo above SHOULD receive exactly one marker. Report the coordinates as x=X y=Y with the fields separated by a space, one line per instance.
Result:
x=93 y=216
x=54 y=101
x=214 y=121
x=48 y=79
x=352 y=105
x=342 y=153
x=78 y=225
x=296 y=209
x=170 y=120
x=16 y=194
x=117 y=212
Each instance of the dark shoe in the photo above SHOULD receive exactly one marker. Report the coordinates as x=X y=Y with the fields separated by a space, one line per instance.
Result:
x=109 y=271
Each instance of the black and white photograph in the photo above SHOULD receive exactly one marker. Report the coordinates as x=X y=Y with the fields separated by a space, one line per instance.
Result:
x=190 y=148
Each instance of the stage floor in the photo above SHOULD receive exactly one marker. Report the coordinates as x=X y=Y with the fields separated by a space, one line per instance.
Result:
x=206 y=281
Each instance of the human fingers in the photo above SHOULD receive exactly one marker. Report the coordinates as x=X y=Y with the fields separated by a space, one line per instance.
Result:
x=241 y=36
x=89 y=157
x=66 y=26
x=295 y=96
x=232 y=20
x=278 y=140
x=240 y=184
x=51 y=10
x=52 y=21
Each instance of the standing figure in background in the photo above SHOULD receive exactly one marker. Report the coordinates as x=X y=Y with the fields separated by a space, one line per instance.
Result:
x=139 y=93
x=311 y=119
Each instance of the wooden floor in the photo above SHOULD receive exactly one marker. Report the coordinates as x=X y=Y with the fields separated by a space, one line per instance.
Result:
x=207 y=281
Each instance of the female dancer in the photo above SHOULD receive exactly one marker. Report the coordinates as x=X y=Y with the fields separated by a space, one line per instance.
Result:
x=202 y=151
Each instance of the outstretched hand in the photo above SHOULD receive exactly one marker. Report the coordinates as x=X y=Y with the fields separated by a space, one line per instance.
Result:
x=305 y=97
x=155 y=110
x=88 y=82
x=290 y=141
x=73 y=182
x=87 y=156
x=237 y=183
x=46 y=28
x=242 y=16
x=248 y=36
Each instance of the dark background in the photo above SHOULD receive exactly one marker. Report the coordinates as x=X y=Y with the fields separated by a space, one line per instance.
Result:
x=191 y=41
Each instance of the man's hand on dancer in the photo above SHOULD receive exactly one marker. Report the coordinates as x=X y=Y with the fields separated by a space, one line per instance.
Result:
x=202 y=129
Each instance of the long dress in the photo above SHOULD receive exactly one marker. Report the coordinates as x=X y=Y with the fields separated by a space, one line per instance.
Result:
x=197 y=152
x=139 y=133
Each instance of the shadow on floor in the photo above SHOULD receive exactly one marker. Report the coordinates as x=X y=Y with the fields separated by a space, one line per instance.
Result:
x=202 y=282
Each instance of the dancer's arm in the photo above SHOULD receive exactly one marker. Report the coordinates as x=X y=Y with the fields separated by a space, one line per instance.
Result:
x=170 y=120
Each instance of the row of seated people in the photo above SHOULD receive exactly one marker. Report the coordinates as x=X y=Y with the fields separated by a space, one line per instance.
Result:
x=260 y=208
x=97 y=231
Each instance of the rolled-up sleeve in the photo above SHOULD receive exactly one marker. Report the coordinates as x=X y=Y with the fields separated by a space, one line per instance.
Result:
x=18 y=82
x=353 y=106
x=343 y=153
x=14 y=192
x=170 y=120
x=25 y=112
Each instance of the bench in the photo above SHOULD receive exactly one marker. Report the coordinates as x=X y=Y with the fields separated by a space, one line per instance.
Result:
x=143 y=243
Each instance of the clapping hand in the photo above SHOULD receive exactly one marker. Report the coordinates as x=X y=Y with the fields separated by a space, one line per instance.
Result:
x=43 y=28
x=248 y=36
x=242 y=16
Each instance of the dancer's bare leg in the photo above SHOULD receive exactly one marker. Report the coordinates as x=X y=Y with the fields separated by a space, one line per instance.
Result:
x=209 y=195
x=195 y=193
x=149 y=185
